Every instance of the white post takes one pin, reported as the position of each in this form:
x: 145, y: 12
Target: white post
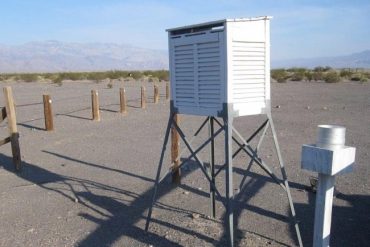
x: 329, y: 137
x: 324, y: 204
x: 328, y: 157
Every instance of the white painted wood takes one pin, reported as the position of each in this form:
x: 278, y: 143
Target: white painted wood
x: 328, y: 157
x: 221, y: 62
x: 327, y: 161
x: 218, y: 22
x: 323, y: 210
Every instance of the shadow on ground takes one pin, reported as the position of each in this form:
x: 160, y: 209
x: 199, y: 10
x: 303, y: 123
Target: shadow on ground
x: 350, y: 226
x: 122, y: 218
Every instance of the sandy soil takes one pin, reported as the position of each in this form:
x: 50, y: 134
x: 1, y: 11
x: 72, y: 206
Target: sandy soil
x: 90, y: 183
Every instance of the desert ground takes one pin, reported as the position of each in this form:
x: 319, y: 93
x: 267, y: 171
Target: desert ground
x: 90, y: 183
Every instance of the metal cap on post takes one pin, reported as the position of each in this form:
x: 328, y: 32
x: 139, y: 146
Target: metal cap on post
x: 331, y: 136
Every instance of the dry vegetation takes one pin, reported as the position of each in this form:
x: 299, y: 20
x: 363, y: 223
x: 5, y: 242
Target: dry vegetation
x: 326, y: 74
x: 150, y: 75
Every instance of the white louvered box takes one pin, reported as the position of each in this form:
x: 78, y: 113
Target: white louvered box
x: 225, y: 61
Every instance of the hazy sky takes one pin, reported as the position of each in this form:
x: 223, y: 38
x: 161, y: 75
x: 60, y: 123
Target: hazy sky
x: 300, y: 28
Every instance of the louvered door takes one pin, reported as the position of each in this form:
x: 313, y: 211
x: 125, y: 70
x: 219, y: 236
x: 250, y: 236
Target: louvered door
x: 196, y: 72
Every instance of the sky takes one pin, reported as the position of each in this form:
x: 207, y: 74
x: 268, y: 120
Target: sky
x: 299, y: 28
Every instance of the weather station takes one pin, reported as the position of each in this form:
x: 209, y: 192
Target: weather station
x: 220, y: 70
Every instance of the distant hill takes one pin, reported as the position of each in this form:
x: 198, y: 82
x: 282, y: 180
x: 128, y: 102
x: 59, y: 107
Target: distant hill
x: 355, y: 60
x: 54, y: 56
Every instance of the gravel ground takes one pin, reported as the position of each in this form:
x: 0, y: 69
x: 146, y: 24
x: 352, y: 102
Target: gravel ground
x: 90, y: 183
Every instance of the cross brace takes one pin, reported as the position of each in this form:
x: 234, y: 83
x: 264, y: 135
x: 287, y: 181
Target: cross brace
x: 209, y: 171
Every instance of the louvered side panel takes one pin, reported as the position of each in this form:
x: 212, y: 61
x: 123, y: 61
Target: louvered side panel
x: 249, y: 82
x: 209, y: 75
x: 184, y: 67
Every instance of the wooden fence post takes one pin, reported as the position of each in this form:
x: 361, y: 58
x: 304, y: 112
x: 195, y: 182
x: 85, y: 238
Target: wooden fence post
x: 143, y: 100
x: 95, y: 105
x: 175, y: 148
x: 156, y: 94
x: 167, y: 91
x: 12, y: 124
x: 122, y: 98
x: 48, y: 113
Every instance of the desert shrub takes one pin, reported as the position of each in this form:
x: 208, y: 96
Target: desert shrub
x: 57, y: 80
x: 28, y: 77
x: 297, y: 76
x: 345, y: 73
x: 136, y: 75
x: 48, y: 76
x: 280, y: 75
x: 96, y: 76
x: 327, y: 68
x: 367, y: 76
x: 318, y: 75
x: 332, y: 77
x: 15, y: 77
x: 115, y: 74
x: 322, y: 69
x: 163, y: 75
x: 148, y: 73
x: 309, y: 75
x: 63, y: 76
x: 318, y: 69
x: 356, y: 77
x: 153, y: 79
x: 359, y: 77
x: 160, y: 74
x: 75, y: 76
x: 3, y: 77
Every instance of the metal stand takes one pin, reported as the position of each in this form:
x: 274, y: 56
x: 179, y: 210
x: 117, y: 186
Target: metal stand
x: 210, y: 173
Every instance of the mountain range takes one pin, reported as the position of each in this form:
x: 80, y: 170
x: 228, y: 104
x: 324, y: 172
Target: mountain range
x: 355, y: 60
x: 56, y: 56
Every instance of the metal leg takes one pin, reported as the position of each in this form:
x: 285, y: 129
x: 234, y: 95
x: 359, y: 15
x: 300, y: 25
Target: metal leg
x: 250, y: 152
x: 182, y: 152
x: 243, y: 146
x: 252, y: 136
x: 192, y: 155
x: 199, y: 161
x: 256, y: 151
x: 228, y: 123
x: 210, y: 174
x: 282, y: 168
x: 212, y: 163
x: 192, y: 139
x: 170, y: 120
x: 207, y: 166
x: 263, y: 125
